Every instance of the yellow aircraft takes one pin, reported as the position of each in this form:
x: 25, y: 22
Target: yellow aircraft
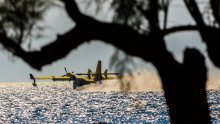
x: 79, y: 79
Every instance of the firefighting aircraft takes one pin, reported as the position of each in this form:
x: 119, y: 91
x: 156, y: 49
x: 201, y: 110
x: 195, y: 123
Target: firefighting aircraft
x: 80, y: 79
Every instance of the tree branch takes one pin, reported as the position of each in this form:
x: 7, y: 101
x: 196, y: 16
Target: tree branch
x: 73, y: 10
x: 209, y: 35
x: 11, y: 46
x: 195, y: 13
x: 215, y: 6
x: 48, y: 53
x: 122, y: 36
x: 179, y: 28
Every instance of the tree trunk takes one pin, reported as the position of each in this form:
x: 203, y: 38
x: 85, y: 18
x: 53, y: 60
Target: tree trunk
x: 184, y: 86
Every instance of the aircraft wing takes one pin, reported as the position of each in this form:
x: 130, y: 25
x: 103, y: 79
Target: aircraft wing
x: 111, y: 77
x: 52, y: 77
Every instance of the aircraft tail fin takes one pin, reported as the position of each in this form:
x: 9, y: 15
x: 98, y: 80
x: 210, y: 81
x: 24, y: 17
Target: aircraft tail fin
x: 98, y: 74
x: 32, y: 78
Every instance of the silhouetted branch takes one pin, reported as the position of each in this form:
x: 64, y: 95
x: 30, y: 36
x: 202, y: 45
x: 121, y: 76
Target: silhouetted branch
x: 11, y: 46
x: 190, y: 28
x: 209, y: 35
x: 73, y: 10
x: 114, y: 34
x: 48, y: 53
x: 215, y: 5
x: 165, y: 4
x: 195, y: 13
x: 179, y: 29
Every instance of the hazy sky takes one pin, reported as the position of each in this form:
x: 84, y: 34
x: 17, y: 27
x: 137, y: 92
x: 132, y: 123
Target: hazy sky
x: 86, y: 56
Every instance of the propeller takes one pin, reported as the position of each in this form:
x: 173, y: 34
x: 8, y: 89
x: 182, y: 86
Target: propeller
x: 65, y: 70
x: 89, y: 73
x: 106, y: 73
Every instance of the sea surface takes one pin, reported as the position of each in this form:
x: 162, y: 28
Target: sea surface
x: 63, y: 105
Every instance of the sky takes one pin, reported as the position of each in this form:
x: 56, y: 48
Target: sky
x: 13, y: 69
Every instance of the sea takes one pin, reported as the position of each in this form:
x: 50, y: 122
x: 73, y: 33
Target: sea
x: 65, y: 106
